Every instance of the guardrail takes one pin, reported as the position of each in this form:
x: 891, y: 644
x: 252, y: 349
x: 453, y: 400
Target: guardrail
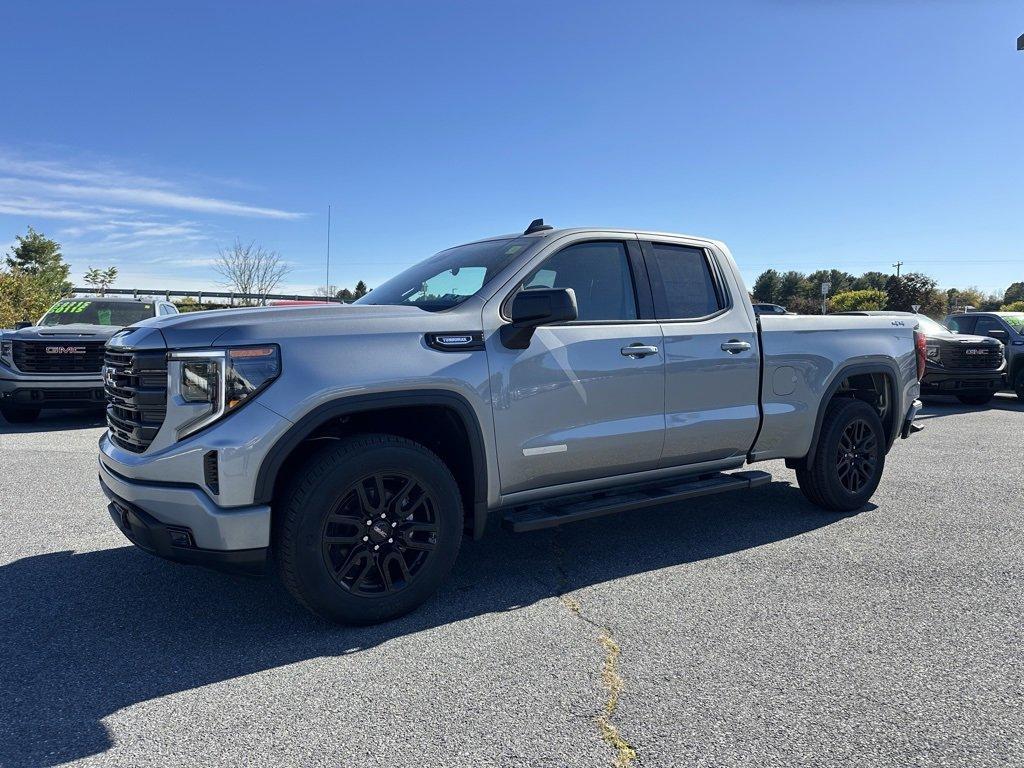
x: 232, y: 296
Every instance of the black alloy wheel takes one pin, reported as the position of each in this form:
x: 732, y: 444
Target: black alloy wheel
x: 856, y: 456
x: 381, y: 534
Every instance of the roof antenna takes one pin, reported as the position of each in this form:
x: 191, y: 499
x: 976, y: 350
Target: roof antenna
x: 537, y: 225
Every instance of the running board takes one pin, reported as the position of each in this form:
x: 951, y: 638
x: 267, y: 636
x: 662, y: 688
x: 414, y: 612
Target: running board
x: 571, y: 509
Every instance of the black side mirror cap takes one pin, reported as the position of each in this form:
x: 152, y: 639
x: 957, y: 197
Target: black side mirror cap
x: 998, y: 333
x: 534, y: 307
x: 22, y: 324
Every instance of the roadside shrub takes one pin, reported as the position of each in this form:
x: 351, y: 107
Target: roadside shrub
x: 857, y: 301
x: 1013, y: 306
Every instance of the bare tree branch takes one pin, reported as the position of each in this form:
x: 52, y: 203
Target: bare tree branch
x: 250, y: 268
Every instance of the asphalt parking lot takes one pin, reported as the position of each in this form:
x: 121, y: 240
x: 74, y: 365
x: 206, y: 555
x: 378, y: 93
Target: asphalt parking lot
x: 741, y: 630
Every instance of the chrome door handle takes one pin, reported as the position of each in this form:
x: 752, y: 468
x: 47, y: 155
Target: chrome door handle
x: 636, y: 351
x: 735, y: 346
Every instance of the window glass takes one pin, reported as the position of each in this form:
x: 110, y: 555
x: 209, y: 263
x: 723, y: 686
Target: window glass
x: 986, y: 324
x: 96, y: 312
x: 682, y: 282
x: 598, y: 273
x: 449, y: 277
x: 1016, y: 322
x: 960, y: 324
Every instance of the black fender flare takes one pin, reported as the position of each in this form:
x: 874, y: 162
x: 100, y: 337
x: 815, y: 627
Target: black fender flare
x: 266, y: 477
x: 885, y: 368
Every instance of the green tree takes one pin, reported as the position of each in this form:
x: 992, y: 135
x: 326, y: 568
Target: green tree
x: 1014, y: 293
x: 23, y: 297
x: 1013, y: 306
x: 768, y: 287
x: 101, y: 278
x: 853, y: 301
x: 914, y: 288
x: 37, y: 256
x: 869, y: 280
x: 360, y: 290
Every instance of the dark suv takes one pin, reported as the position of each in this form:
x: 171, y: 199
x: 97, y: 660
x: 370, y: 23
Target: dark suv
x: 1007, y: 327
x: 969, y: 367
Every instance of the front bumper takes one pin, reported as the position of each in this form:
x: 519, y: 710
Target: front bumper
x: 942, y: 382
x: 179, y: 522
x: 38, y: 392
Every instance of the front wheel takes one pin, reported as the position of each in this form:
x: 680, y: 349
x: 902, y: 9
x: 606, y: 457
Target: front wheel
x: 369, y: 529
x: 849, y: 459
x: 16, y: 415
x: 975, y: 399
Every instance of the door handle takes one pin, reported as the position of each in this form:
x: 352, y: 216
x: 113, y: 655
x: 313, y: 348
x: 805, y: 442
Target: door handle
x: 735, y: 346
x: 638, y: 350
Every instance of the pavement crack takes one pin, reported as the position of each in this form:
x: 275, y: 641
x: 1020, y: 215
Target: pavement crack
x: 612, y: 681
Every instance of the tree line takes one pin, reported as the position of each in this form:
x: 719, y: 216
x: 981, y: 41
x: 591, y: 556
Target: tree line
x: 801, y: 293
x: 35, y: 277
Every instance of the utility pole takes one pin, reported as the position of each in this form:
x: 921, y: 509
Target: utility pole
x: 898, y: 264
x: 327, y: 284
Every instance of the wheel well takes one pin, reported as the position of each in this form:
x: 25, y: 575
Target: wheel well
x: 437, y: 427
x: 876, y: 388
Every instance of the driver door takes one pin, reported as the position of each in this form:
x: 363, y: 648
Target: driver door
x: 577, y: 404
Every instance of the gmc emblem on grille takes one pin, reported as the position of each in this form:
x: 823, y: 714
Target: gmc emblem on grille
x: 65, y: 350
x: 974, y: 351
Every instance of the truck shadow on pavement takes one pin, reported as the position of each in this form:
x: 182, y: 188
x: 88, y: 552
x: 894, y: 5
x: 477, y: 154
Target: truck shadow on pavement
x: 57, y: 421
x: 87, y: 634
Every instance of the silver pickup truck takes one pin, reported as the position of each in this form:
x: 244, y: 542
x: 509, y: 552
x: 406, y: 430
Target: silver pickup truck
x: 532, y: 380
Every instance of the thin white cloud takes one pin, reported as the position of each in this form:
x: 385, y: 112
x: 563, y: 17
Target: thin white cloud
x: 154, y: 229
x: 144, y: 197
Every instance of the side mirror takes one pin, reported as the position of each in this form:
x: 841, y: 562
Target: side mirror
x: 999, y: 333
x: 22, y: 324
x: 534, y: 307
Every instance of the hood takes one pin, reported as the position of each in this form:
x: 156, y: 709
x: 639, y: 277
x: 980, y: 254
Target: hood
x: 81, y: 331
x: 266, y: 324
x: 963, y: 338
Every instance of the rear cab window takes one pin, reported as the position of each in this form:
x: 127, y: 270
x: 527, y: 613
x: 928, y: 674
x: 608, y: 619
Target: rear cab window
x: 684, y: 283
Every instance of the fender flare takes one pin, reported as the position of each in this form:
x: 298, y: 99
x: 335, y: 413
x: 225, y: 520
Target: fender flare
x: 266, y: 477
x: 886, y: 368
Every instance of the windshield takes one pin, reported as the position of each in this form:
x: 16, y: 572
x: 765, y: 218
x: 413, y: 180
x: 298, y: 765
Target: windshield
x: 931, y: 327
x: 115, y: 313
x: 450, y: 277
x: 1016, y: 322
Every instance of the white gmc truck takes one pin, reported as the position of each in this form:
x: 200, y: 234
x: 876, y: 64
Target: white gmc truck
x: 533, y: 380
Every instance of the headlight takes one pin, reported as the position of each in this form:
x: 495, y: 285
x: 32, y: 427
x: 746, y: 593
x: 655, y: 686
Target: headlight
x: 933, y: 354
x: 7, y: 352
x: 217, y: 381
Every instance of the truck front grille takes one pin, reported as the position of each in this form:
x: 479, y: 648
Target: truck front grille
x: 136, y: 387
x: 973, y: 357
x: 58, y: 356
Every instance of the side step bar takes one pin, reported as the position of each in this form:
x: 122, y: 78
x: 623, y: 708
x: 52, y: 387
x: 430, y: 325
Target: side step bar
x: 571, y: 509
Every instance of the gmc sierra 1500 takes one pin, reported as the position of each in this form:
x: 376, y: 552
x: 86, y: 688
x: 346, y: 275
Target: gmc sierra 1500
x: 535, y: 379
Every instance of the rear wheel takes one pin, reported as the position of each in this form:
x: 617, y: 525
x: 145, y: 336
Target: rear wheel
x: 975, y: 399
x: 15, y: 415
x: 369, y: 529
x: 849, y: 459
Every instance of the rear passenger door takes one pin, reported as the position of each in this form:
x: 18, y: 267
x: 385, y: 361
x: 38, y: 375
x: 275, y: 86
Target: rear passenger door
x: 712, y: 360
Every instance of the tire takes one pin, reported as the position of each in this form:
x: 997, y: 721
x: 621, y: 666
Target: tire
x: 1018, y: 386
x: 976, y: 399
x: 349, y: 572
x: 835, y: 479
x: 16, y: 415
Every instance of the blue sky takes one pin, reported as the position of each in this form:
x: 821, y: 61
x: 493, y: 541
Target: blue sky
x: 806, y: 134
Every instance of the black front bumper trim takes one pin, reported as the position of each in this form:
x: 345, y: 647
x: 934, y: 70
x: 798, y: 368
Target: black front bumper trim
x: 150, y: 535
